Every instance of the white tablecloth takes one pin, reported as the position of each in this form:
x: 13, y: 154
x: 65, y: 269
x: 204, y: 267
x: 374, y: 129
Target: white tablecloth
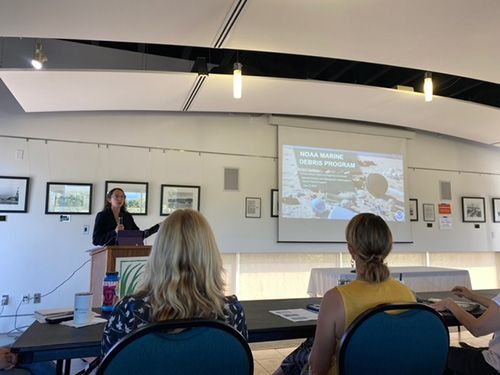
x: 419, y: 279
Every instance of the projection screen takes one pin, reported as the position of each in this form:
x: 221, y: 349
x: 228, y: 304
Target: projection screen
x: 327, y: 177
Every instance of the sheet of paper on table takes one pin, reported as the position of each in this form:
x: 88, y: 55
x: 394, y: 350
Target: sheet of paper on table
x: 95, y: 319
x: 296, y: 315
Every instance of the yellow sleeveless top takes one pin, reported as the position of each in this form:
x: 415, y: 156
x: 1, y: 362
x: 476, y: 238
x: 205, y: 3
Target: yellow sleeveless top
x: 360, y: 296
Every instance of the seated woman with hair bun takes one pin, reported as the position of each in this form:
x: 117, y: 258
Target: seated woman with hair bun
x: 369, y: 241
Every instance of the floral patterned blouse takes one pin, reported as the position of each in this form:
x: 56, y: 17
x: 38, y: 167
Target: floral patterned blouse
x: 132, y: 312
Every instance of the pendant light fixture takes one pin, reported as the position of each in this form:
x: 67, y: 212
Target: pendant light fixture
x: 237, y: 80
x: 40, y: 58
x: 428, y: 87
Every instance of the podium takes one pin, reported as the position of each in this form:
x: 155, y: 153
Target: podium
x: 106, y: 259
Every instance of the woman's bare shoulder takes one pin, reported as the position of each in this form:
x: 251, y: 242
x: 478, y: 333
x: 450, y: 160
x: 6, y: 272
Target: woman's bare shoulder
x: 332, y: 300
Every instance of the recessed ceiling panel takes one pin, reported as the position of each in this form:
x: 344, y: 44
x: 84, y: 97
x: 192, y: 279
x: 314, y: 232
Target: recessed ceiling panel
x: 458, y: 37
x: 186, y: 22
x: 364, y: 103
x: 42, y: 91
x: 46, y: 91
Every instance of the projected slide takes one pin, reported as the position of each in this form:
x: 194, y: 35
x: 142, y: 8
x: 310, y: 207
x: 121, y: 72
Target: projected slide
x: 333, y: 184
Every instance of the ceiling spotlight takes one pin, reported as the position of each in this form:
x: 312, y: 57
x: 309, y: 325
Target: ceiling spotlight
x: 237, y: 80
x: 428, y: 87
x: 39, y: 58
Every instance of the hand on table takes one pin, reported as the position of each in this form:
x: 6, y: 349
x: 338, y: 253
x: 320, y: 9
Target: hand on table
x: 7, y: 359
x: 442, y: 305
x: 462, y: 291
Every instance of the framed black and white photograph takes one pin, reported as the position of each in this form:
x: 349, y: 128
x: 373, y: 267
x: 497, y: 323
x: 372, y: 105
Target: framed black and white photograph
x: 274, y: 203
x: 68, y: 198
x: 413, y: 210
x: 473, y: 210
x: 136, y: 195
x: 252, y: 207
x: 14, y: 194
x: 179, y: 196
x: 429, y: 212
x: 495, y: 204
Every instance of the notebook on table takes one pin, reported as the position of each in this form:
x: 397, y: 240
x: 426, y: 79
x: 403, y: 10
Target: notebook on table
x: 130, y: 238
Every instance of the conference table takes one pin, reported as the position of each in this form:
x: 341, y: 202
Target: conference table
x: 418, y: 279
x: 48, y: 342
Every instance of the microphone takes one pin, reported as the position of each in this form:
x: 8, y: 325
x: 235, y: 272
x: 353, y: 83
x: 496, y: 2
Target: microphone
x: 120, y: 220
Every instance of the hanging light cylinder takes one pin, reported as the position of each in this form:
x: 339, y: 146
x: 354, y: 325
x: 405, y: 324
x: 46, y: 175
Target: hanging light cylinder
x: 237, y: 80
x: 428, y: 89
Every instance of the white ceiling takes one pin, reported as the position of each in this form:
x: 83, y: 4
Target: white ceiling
x: 458, y: 37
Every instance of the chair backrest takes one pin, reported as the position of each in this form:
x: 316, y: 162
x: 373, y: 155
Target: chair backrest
x: 411, y: 339
x: 201, y: 347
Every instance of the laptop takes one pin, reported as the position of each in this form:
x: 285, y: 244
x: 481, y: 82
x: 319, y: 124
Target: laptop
x: 130, y: 238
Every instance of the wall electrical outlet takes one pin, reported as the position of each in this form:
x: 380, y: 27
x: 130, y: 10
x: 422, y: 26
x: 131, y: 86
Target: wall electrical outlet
x: 5, y: 300
x: 26, y: 298
x: 37, y: 297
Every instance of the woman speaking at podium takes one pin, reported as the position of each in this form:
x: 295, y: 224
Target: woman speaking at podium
x: 112, y: 219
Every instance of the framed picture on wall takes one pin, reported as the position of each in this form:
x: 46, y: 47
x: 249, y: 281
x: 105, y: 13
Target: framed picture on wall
x: 473, y: 210
x: 136, y: 193
x: 68, y: 198
x: 413, y: 210
x: 252, y: 207
x: 14, y: 194
x: 179, y: 196
x: 274, y: 203
x: 429, y: 212
x: 496, y: 209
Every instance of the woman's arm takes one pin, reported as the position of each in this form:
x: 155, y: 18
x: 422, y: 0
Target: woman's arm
x: 129, y: 222
x: 235, y: 316
x: 487, y: 323
x: 462, y: 291
x: 7, y: 359
x: 150, y: 231
x: 114, y: 330
x: 123, y: 320
x: 102, y: 235
x: 330, y: 327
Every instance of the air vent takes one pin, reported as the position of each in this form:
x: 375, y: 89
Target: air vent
x: 445, y: 190
x: 231, y: 179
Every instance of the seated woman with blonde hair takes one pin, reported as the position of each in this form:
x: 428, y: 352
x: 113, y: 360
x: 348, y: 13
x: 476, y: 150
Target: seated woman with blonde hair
x: 369, y: 241
x: 182, y: 280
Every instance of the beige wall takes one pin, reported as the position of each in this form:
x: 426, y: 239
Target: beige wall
x: 73, y: 147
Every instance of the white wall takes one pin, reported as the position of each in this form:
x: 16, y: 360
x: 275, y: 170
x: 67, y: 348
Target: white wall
x: 38, y: 252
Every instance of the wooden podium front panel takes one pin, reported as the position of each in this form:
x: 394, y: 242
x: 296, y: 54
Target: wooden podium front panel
x: 104, y: 260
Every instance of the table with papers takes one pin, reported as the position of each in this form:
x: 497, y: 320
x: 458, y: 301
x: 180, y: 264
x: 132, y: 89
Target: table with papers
x: 45, y: 342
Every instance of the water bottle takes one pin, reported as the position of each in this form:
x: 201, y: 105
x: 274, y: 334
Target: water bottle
x: 110, y: 291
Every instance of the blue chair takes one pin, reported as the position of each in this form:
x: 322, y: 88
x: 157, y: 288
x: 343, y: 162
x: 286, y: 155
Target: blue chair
x: 201, y: 347
x: 411, y: 339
